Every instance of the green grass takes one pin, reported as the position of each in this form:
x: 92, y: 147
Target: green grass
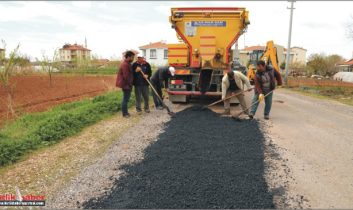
x: 91, y: 70
x: 340, y: 94
x: 33, y: 131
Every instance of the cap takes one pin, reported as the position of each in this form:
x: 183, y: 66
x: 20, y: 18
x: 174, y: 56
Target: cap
x: 172, y: 70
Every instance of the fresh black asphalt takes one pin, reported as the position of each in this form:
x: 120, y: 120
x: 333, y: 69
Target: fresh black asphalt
x: 201, y: 161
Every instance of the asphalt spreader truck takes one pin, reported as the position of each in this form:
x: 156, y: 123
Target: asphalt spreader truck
x: 202, y: 57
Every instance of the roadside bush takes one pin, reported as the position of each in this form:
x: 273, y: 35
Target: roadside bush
x: 42, y: 129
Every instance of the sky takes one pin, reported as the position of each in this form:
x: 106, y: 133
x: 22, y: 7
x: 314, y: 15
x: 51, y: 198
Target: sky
x: 112, y: 27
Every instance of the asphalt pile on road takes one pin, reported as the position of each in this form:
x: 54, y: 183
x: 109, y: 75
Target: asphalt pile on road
x: 202, y: 160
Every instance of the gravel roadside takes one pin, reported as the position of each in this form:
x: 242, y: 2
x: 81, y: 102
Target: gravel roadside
x: 97, y: 179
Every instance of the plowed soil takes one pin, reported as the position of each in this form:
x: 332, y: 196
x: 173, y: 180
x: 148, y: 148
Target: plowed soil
x: 34, y: 93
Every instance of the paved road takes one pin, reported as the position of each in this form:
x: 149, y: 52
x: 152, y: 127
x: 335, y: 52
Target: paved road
x: 318, y: 138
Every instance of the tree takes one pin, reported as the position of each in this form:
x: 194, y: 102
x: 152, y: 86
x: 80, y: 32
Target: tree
x: 316, y: 64
x: 6, y: 72
x: 323, y: 65
x: 48, y: 65
x: 331, y: 62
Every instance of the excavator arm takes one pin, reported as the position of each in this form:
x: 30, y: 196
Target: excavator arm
x: 270, y: 56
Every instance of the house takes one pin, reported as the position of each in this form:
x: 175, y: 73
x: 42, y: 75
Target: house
x: 2, y: 54
x: 346, y: 66
x: 74, y: 53
x: 155, y: 53
x: 297, y: 55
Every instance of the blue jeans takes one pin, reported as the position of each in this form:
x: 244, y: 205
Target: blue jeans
x: 124, y: 103
x: 268, y: 104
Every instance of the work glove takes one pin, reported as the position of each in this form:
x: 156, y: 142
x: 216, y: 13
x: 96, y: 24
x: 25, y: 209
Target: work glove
x: 138, y: 69
x: 261, y: 97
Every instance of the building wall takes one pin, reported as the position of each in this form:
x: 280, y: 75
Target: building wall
x: 299, y: 55
x: 244, y: 58
x: 159, y: 60
x: 65, y: 55
x: 69, y: 55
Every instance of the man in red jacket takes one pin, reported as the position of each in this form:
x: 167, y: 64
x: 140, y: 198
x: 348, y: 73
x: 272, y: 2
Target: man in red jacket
x: 124, y: 80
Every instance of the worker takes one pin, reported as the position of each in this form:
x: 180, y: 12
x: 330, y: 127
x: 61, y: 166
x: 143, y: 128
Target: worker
x: 140, y: 84
x: 159, y: 80
x: 124, y: 80
x: 232, y: 83
x: 265, y: 82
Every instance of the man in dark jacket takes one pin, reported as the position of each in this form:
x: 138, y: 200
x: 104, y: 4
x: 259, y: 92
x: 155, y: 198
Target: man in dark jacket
x: 124, y: 80
x: 159, y: 80
x: 140, y: 83
x: 265, y: 82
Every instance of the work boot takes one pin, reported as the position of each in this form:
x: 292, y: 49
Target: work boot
x: 226, y: 112
x: 267, y: 117
x: 251, y: 116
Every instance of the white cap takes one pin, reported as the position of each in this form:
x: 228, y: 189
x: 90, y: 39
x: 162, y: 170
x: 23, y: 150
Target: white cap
x: 172, y: 70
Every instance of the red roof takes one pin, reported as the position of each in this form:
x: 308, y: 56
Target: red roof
x: 154, y: 45
x: 74, y: 47
x: 252, y: 48
x: 349, y: 62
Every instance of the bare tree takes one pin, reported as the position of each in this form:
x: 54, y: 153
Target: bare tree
x: 6, y: 72
x: 49, y: 64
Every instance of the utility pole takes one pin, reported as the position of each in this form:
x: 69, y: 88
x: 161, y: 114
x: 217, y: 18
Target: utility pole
x: 289, y: 39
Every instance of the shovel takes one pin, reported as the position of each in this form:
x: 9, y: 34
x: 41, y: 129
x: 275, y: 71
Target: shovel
x: 154, y: 90
x: 231, y: 96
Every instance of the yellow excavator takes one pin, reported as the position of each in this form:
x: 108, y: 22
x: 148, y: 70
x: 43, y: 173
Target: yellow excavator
x: 269, y: 56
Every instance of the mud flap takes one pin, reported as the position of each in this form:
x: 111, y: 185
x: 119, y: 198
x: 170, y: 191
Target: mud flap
x: 205, y: 80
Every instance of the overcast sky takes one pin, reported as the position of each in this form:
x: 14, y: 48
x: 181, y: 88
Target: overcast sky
x: 112, y: 27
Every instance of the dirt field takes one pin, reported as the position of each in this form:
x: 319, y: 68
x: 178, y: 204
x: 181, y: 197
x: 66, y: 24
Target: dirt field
x: 297, y: 82
x: 34, y: 93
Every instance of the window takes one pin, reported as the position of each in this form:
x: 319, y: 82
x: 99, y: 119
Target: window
x: 153, y: 53
x: 165, y: 54
x: 144, y: 53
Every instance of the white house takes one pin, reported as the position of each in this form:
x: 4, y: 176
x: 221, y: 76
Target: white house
x: 155, y: 53
x: 297, y: 55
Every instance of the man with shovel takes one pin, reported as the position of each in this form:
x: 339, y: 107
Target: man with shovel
x: 232, y: 83
x: 265, y: 83
x: 141, y: 83
x: 159, y: 80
